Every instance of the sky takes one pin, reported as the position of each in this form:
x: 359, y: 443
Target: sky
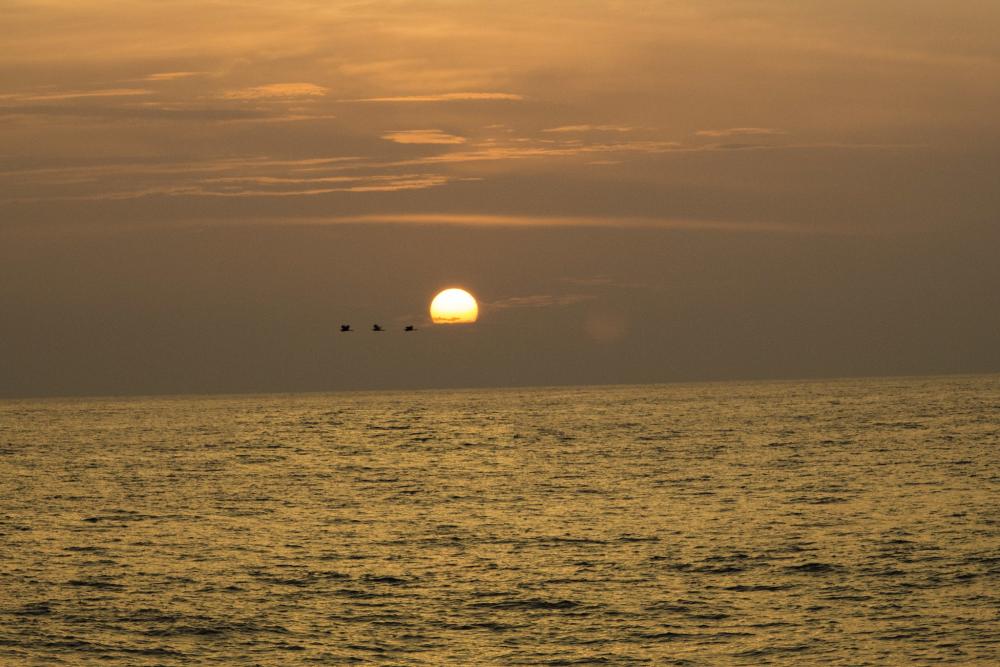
x: 195, y: 195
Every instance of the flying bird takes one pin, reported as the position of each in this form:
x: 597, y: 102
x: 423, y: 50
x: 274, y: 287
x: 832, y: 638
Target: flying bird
x: 409, y: 327
x: 345, y: 328
x: 376, y: 327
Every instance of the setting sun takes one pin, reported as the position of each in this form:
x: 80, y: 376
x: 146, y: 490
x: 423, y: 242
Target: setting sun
x: 454, y: 306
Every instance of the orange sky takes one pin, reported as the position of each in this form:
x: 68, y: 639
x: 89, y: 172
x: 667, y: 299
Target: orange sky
x: 733, y: 189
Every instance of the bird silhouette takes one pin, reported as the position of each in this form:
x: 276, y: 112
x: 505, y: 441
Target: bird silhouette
x: 345, y: 328
x: 409, y: 327
x: 376, y: 327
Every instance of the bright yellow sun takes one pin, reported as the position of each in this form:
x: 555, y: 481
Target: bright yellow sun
x: 454, y: 306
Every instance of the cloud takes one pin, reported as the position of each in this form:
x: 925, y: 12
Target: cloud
x: 423, y: 137
x: 273, y: 91
x: 525, y: 149
x: 250, y: 187
x: 588, y: 128
x: 741, y: 132
x: 445, y: 97
x: 280, y: 180
x: 217, y: 188
x: 600, y: 152
x: 171, y: 76
x: 161, y: 112
x: 540, y: 301
x: 603, y: 281
x: 739, y: 146
x: 361, y: 184
x: 77, y: 94
x: 116, y: 170
x: 200, y: 114
x: 501, y: 220
x: 259, y: 176
x: 241, y: 177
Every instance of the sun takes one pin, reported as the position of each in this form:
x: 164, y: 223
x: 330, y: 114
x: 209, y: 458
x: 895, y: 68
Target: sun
x: 454, y: 306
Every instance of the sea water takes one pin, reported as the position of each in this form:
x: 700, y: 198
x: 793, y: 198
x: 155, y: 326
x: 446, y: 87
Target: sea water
x: 847, y: 522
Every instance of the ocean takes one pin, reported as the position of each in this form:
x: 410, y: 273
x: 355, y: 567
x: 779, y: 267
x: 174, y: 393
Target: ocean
x: 849, y: 522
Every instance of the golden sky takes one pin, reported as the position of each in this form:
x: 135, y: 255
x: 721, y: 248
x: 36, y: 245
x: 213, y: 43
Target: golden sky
x: 662, y: 189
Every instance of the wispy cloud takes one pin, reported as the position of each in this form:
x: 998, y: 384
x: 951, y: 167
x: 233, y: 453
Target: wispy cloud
x: 423, y: 137
x: 77, y: 94
x: 539, y: 301
x: 219, y: 113
x: 277, y: 91
x: 279, y: 180
x: 171, y: 76
x: 267, y: 177
x: 444, y: 97
x: 500, y: 220
x: 243, y: 177
x: 599, y: 153
x: 741, y: 132
x: 375, y: 185
x: 603, y: 282
x: 141, y: 112
x: 575, y: 129
x: 197, y: 169
x: 370, y: 184
x: 251, y: 187
x: 526, y: 149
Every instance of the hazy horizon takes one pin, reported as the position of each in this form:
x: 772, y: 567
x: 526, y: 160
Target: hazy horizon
x: 511, y: 387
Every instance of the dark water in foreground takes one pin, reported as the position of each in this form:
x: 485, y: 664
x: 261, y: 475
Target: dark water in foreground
x: 850, y: 522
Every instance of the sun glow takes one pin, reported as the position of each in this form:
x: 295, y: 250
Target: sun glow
x: 454, y: 306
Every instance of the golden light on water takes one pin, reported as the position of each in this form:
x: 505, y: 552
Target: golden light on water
x: 454, y: 306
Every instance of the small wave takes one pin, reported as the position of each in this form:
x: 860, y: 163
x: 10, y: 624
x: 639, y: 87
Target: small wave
x: 892, y: 572
x: 530, y: 604
x: 812, y: 568
x: 34, y: 609
x: 355, y: 593
x: 384, y: 579
x: 215, y: 628
x: 96, y: 583
x: 151, y: 651
x: 751, y: 588
x: 572, y: 540
x: 667, y: 635
x: 819, y: 500
x: 492, y: 626
x: 773, y: 650
x: 368, y: 648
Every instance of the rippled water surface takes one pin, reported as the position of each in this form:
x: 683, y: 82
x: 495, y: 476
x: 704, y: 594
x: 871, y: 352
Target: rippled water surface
x: 850, y: 522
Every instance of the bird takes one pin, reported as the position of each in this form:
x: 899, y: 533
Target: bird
x: 409, y: 327
x: 345, y: 328
x: 376, y: 327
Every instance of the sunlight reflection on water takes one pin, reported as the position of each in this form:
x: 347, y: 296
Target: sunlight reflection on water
x: 844, y: 522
